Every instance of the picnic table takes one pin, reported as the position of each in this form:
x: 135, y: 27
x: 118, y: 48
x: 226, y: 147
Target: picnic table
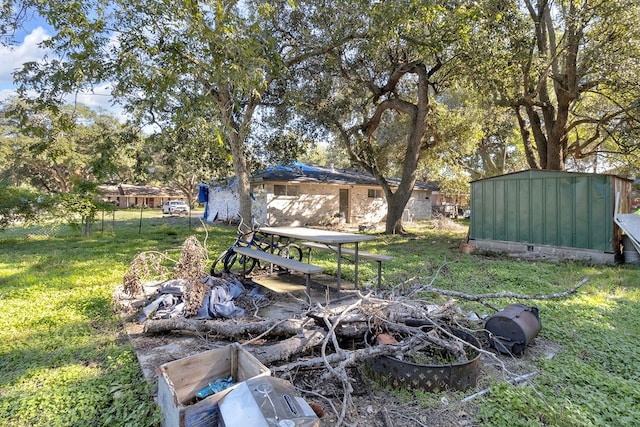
x: 327, y: 237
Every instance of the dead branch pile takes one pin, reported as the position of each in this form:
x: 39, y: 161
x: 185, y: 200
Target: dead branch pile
x: 333, y: 337
x: 190, y: 266
x: 144, y: 266
x: 339, y: 337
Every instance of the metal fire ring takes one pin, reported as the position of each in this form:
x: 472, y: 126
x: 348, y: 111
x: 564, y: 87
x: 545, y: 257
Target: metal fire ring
x: 453, y: 376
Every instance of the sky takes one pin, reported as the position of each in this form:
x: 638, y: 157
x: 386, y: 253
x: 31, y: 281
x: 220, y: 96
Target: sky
x: 26, y: 49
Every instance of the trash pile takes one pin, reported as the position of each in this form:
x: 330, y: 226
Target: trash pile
x: 218, y: 301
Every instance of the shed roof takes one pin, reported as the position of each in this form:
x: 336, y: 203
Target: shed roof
x: 539, y: 173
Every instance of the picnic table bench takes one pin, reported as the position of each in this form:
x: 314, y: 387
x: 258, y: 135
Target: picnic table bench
x: 290, y: 264
x: 327, y: 237
x: 379, y: 258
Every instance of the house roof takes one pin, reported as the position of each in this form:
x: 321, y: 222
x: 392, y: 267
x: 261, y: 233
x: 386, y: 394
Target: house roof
x: 137, y: 190
x: 299, y: 172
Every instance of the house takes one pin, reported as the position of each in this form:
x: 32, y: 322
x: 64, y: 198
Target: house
x: 129, y: 196
x: 312, y: 195
x: 565, y: 215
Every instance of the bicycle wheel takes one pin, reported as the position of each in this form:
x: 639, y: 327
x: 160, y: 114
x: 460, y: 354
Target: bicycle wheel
x: 290, y: 251
x: 230, y: 265
x: 218, y: 265
x: 293, y: 251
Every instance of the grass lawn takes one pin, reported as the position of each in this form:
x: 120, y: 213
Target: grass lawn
x: 64, y: 360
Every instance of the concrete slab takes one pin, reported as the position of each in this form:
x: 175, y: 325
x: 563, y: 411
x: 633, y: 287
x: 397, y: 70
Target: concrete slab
x: 295, y: 283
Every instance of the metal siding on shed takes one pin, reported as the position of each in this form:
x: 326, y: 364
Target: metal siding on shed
x: 512, y: 221
x: 524, y: 211
x: 499, y: 214
x: 582, y: 223
x: 536, y: 203
x: 542, y: 207
x: 601, y: 213
x: 549, y: 218
x: 566, y: 212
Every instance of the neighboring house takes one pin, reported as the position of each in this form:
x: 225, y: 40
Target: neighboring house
x: 312, y: 195
x: 128, y: 196
x: 550, y: 213
x: 449, y: 206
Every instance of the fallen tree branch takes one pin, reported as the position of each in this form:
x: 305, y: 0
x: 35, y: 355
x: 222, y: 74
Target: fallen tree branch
x: 480, y: 297
x: 225, y: 328
x: 517, y: 380
x: 455, y: 346
x: 285, y: 349
x: 353, y: 356
x: 339, y: 372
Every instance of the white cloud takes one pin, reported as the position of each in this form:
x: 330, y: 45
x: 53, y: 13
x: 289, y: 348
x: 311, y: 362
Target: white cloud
x: 14, y: 56
x: 98, y: 98
x: 6, y: 93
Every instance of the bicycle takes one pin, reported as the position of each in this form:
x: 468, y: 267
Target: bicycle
x: 279, y: 245
x: 222, y: 263
x: 251, y: 237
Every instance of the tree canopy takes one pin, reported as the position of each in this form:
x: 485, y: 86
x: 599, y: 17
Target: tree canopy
x: 377, y: 91
x: 413, y: 88
x: 52, y: 150
x: 217, y: 60
x: 567, y: 69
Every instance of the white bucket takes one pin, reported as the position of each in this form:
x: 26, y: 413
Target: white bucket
x: 630, y: 252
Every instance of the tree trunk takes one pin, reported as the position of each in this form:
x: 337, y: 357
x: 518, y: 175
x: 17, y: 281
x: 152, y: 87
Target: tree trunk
x: 398, y: 201
x: 237, y: 138
x: 224, y: 328
x: 395, y: 208
x: 284, y: 350
x: 243, y: 175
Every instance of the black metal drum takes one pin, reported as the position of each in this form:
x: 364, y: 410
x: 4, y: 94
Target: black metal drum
x: 511, y: 329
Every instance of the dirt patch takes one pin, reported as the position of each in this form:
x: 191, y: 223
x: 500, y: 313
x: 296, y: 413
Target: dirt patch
x: 371, y: 405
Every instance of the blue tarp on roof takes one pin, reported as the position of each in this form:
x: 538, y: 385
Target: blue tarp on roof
x: 301, y: 172
x: 304, y: 173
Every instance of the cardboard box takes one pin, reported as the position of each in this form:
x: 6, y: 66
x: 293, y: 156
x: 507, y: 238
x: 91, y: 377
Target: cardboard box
x: 180, y: 380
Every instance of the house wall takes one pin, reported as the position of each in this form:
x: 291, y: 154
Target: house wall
x: 319, y: 204
x: 315, y: 204
x: 137, y: 201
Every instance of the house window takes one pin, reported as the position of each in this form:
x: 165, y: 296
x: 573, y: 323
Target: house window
x: 374, y: 194
x: 286, y: 190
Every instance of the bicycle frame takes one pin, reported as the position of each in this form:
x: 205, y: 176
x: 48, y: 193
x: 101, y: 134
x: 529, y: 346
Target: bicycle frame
x: 258, y: 241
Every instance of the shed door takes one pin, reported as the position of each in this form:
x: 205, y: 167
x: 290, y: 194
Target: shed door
x: 344, y: 204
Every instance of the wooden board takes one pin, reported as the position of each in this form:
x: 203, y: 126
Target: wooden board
x: 178, y: 382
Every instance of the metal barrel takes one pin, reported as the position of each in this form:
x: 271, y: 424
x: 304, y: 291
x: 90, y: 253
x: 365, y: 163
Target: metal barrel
x: 513, y: 328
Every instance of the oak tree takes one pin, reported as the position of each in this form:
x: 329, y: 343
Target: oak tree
x: 376, y: 92
x: 568, y: 70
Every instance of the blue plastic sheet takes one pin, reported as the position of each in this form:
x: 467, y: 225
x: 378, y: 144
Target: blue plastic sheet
x: 215, y: 387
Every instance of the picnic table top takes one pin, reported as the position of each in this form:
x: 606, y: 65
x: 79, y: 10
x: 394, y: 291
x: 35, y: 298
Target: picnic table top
x: 317, y: 235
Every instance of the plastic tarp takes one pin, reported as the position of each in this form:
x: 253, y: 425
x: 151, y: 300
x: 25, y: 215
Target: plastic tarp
x: 629, y: 223
x: 218, y: 301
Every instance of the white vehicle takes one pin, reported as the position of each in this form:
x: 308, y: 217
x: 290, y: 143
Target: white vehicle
x: 175, y: 207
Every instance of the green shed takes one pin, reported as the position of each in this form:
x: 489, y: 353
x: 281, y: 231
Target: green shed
x: 549, y: 213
